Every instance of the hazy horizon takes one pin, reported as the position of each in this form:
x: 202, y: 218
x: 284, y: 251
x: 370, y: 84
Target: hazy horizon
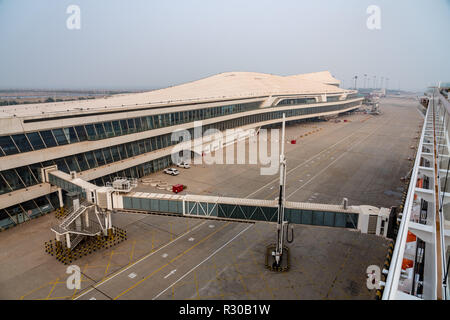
x: 139, y: 45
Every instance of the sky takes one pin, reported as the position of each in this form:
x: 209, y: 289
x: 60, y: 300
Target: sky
x: 143, y: 44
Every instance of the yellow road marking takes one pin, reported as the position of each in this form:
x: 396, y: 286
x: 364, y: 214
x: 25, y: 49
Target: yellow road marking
x: 109, y: 262
x: 177, y: 257
x: 53, y: 288
x: 136, y: 262
x: 30, y: 292
x: 132, y: 251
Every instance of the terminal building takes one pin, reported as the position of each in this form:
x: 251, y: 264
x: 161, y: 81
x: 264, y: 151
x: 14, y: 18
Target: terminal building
x: 129, y: 135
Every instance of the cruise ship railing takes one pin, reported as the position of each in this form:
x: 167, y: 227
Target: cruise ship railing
x: 392, y: 281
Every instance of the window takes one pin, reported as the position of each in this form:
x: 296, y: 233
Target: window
x: 91, y: 131
x: 62, y: 165
x: 71, y: 135
x: 135, y: 148
x: 116, y: 126
x: 71, y: 162
x: 100, y: 130
x: 115, y: 153
x: 129, y: 150
x: 8, y: 145
x: 60, y: 136
x: 4, y: 188
x: 90, y: 159
x: 26, y: 176
x: 81, y: 133
x: 13, y: 179
x: 36, y: 170
x: 43, y: 204
x: 131, y: 126
x: 99, y: 157
x: 138, y: 124
x: 108, y: 129
x: 107, y: 154
x: 124, y: 126
x: 82, y: 162
x: 122, y: 151
x: 35, y: 140
x: 22, y: 142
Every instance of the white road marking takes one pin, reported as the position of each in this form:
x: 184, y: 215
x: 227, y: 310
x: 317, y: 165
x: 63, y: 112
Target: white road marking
x: 191, y: 239
x: 164, y: 255
x: 140, y: 260
x: 211, y: 226
x: 93, y: 298
x: 170, y: 273
x: 305, y: 162
x: 132, y: 275
x: 343, y: 154
x: 181, y: 278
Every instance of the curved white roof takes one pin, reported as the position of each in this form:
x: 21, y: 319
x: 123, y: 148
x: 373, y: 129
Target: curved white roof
x: 223, y: 86
x: 322, y: 76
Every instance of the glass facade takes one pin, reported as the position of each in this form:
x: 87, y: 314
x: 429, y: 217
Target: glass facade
x: 27, y: 210
x: 97, y: 131
x: 296, y: 101
x: 26, y: 176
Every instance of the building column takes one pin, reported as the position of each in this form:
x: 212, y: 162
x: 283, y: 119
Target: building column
x: 86, y: 218
x: 60, y: 197
x: 68, y: 240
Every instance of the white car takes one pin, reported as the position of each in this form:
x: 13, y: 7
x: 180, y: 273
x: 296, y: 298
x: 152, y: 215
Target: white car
x: 183, y: 165
x: 172, y: 171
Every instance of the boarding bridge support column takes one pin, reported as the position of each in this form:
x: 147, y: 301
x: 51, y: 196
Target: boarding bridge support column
x: 68, y: 240
x: 60, y: 198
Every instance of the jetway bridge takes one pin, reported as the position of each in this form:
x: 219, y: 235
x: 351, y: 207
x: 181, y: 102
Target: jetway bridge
x: 118, y: 197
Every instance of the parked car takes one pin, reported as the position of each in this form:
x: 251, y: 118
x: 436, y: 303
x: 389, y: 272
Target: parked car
x: 183, y: 165
x: 172, y: 171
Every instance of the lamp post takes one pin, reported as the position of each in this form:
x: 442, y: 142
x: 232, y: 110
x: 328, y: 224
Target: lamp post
x: 356, y: 78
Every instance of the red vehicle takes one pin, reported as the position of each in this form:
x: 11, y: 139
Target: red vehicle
x: 177, y: 188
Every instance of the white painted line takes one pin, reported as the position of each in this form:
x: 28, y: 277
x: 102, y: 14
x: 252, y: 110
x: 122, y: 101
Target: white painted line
x: 159, y: 294
x: 305, y: 162
x: 93, y: 298
x: 191, y: 239
x: 164, y: 255
x: 140, y: 260
x: 343, y: 154
x: 211, y: 226
x: 132, y: 275
x: 170, y: 273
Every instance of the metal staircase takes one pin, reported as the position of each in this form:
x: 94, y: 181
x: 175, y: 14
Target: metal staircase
x: 71, y: 216
x: 85, y: 227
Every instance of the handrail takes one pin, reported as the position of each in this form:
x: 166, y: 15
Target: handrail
x: 391, y: 287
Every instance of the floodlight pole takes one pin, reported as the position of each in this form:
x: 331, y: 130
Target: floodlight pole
x: 281, y: 199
